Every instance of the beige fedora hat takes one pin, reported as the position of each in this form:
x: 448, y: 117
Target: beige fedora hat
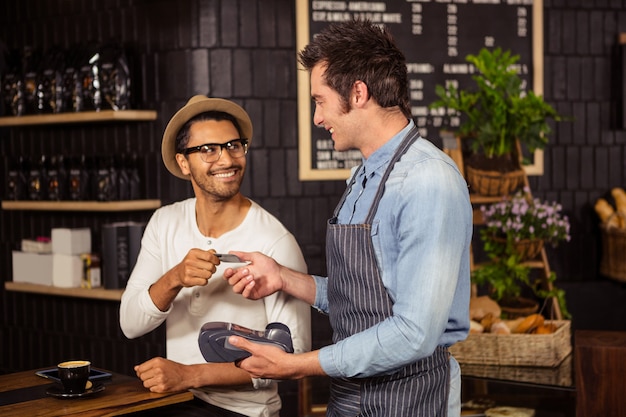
x: 196, y: 105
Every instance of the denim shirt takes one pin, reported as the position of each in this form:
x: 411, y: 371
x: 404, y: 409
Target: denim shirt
x: 421, y: 235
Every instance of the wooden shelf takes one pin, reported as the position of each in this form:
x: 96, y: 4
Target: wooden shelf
x: 80, y: 117
x: 130, y: 205
x: 95, y: 293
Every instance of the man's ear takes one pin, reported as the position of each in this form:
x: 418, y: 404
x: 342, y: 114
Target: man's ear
x: 360, y: 93
x: 183, y: 163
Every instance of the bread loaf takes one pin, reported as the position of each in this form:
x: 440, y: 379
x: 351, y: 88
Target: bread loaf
x: 480, y: 307
x: 529, y: 324
x: 513, y: 323
x: 546, y: 328
x: 500, y: 327
x: 476, y: 327
x: 606, y: 213
x: 488, y: 321
x: 619, y: 195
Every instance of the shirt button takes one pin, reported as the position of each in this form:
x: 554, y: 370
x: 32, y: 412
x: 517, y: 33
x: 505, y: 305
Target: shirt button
x: 196, y: 294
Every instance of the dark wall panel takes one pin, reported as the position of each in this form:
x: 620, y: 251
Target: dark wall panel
x: 245, y: 50
x: 241, y: 50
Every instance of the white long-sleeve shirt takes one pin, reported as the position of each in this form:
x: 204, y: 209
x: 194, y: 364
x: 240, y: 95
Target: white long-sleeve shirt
x: 171, y: 232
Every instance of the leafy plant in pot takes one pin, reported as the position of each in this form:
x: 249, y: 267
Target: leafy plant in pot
x: 507, y: 276
x: 498, y: 117
x: 514, y: 220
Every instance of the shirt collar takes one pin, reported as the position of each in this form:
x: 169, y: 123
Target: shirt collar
x: 381, y: 157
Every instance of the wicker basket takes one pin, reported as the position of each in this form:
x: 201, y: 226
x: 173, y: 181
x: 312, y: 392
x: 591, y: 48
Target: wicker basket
x: 526, y: 249
x: 613, y: 263
x: 493, y: 183
x: 560, y: 375
x: 516, y: 349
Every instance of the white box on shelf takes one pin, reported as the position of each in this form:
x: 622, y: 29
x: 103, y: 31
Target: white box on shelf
x: 67, y: 270
x: 33, y: 268
x: 71, y: 241
x: 39, y: 245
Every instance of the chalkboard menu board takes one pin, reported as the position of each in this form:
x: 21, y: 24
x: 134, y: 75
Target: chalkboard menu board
x: 435, y: 36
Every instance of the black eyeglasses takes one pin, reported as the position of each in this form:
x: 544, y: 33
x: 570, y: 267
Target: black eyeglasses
x: 211, y: 152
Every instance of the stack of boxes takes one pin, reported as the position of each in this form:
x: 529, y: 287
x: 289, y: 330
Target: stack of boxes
x: 33, y: 264
x: 67, y: 247
x: 60, y: 262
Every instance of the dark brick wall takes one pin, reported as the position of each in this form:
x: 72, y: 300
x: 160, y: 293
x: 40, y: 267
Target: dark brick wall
x: 586, y: 157
x: 241, y: 50
x: 245, y: 50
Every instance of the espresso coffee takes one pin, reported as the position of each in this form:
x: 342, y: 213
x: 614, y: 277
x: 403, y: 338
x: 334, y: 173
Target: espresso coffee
x: 74, y: 375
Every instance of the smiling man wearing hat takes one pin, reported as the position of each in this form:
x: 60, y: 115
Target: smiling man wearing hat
x: 178, y: 279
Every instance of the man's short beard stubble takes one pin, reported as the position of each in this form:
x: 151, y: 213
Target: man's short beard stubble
x: 220, y: 192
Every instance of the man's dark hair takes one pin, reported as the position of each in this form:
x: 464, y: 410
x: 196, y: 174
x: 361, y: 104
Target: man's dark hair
x: 360, y: 50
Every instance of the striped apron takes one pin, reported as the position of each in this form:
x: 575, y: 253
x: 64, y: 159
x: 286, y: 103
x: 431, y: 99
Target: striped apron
x: 358, y: 301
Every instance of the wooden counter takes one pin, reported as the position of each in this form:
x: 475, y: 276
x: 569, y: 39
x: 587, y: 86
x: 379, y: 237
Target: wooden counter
x: 24, y: 394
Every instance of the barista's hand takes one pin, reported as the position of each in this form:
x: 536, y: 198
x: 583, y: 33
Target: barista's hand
x: 260, y: 278
x: 266, y: 361
x: 271, y: 362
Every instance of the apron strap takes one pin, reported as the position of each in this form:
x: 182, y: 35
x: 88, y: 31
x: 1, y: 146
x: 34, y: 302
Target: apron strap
x: 411, y: 137
x: 333, y: 220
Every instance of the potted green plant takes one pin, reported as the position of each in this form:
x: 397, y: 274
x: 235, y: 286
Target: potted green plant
x: 506, y: 277
x: 509, y: 226
x: 498, y: 116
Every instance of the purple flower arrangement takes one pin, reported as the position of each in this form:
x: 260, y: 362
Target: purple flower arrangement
x: 520, y: 217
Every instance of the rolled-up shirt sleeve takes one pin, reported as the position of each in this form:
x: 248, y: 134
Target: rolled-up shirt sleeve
x: 321, y: 299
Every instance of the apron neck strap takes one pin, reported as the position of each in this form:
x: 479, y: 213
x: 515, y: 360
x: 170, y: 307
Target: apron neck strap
x: 408, y: 140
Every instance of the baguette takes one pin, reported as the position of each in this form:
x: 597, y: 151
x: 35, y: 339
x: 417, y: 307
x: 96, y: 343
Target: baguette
x: 606, y: 213
x: 620, y: 201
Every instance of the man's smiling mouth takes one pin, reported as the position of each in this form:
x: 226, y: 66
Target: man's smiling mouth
x: 225, y: 174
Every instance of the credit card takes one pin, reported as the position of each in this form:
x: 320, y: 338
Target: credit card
x: 227, y: 257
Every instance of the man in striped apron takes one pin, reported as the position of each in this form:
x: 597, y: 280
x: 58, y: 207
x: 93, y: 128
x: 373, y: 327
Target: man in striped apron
x: 397, y: 291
